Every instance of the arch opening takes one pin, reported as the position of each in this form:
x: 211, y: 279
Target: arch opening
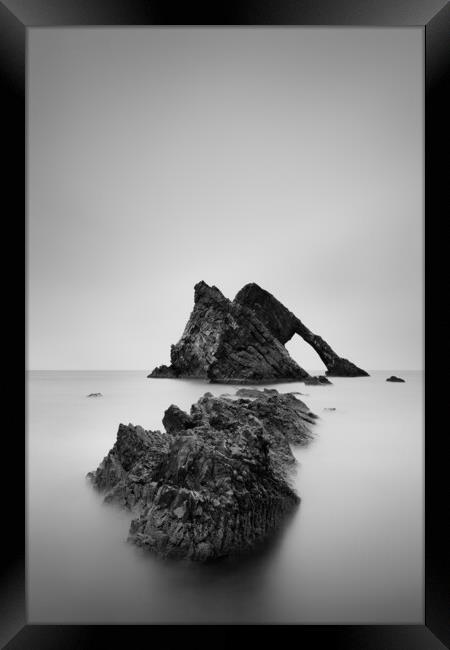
x: 306, y: 357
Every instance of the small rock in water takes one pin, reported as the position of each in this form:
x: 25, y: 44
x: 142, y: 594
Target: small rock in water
x: 329, y: 408
x: 395, y: 379
x: 94, y: 395
x: 317, y: 381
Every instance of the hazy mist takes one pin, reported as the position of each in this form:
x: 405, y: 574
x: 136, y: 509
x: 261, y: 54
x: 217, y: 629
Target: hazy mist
x: 290, y: 157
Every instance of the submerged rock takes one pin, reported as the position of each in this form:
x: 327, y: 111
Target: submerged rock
x: 216, y: 482
x: 242, y: 341
x: 395, y: 379
x: 94, y: 395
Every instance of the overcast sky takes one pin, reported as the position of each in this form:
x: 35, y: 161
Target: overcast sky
x: 290, y: 157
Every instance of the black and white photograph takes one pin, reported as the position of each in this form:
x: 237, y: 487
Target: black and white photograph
x: 233, y: 226
x: 225, y: 325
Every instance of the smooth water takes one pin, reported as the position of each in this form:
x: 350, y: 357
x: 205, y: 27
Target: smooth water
x: 351, y: 553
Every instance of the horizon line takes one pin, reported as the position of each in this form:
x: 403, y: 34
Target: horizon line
x: 396, y: 368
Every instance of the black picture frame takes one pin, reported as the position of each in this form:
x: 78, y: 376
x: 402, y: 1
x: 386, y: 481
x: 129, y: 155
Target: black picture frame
x: 16, y: 16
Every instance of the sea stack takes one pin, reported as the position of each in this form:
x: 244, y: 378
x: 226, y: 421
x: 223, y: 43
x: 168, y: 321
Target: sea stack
x: 242, y: 341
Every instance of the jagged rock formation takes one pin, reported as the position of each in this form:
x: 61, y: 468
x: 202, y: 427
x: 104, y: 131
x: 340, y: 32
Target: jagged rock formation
x: 124, y: 473
x: 283, y: 325
x: 226, y: 342
x: 242, y: 342
x: 216, y: 482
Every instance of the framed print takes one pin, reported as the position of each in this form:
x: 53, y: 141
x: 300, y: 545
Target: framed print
x: 281, y: 166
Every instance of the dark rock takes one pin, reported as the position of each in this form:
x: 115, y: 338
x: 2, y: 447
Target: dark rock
x: 163, y: 372
x: 175, y: 420
x: 329, y: 408
x: 94, y: 395
x: 395, y: 379
x: 217, y: 482
x: 339, y: 367
x: 254, y: 392
x: 283, y: 324
x: 317, y: 381
x: 124, y: 473
x: 242, y: 342
x: 225, y: 342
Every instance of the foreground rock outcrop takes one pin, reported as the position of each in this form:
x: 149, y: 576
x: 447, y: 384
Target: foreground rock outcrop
x: 216, y: 482
x: 242, y: 341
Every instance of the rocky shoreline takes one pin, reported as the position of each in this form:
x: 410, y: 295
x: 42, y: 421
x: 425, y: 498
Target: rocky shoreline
x: 217, y: 481
x: 242, y: 341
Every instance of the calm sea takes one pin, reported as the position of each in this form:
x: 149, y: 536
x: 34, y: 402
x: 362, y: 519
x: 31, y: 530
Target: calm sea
x: 351, y: 553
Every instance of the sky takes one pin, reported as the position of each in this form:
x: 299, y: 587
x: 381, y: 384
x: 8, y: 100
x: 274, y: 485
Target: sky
x: 159, y: 157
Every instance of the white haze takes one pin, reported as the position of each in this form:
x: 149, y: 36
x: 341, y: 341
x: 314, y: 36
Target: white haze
x: 290, y: 157
x: 351, y: 553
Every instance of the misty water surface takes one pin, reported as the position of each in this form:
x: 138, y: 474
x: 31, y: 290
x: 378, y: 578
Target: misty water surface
x: 351, y: 553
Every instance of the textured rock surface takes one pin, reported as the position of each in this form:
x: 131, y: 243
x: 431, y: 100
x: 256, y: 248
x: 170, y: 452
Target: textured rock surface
x: 395, y: 379
x: 216, y: 482
x: 124, y: 473
x: 164, y: 372
x: 227, y: 343
x: 283, y: 324
x: 242, y: 342
x: 317, y: 381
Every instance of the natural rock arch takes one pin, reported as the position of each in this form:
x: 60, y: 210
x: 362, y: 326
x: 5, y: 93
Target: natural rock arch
x: 242, y: 341
x: 283, y: 324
